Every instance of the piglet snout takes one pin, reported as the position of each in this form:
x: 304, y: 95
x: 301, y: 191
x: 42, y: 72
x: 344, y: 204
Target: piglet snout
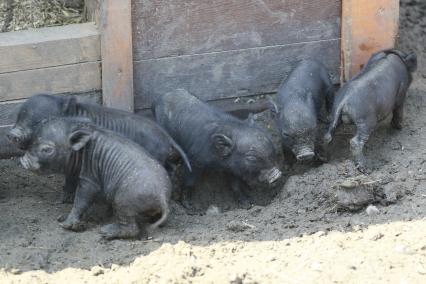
x: 305, y: 154
x: 28, y: 163
x: 272, y: 175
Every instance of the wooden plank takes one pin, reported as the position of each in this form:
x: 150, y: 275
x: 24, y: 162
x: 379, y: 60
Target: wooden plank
x: 164, y: 28
x: 73, y: 78
x: 117, y: 54
x: 47, y: 47
x: 92, y: 11
x: 367, y: 26
x: 229, y: 74
x: 8, y: 112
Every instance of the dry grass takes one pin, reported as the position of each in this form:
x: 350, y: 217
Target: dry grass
x: 26, y: 14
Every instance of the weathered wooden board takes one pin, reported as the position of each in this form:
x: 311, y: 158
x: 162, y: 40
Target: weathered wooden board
x: 8, y: 112
x: 229, y: 74
x: 117, y: 54
x: 47, y: 47
x: 75, y: 78
x: 164, y: 28
x: 367, y: 26
x: 92, y: 10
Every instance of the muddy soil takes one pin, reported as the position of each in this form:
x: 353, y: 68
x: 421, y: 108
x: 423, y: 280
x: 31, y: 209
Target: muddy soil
x: 294, y: 235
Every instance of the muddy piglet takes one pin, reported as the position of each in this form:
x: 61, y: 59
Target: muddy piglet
x: 302, y: 99
x: 214, y: 140
x: 372, y: 95
x: 110, y: 167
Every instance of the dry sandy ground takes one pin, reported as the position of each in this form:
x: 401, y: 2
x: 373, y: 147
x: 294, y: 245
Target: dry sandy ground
x: 300, y: 237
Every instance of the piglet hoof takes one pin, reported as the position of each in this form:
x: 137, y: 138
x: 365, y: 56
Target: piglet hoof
x: 120, y: 231
x: 67, y: 197
x: 362, y: 168
x: 322, y: 157
x: 62, y: 218
x: 72, y: 225
x: 186, y: 204
x: 396, y: 124
x: 244, y: 203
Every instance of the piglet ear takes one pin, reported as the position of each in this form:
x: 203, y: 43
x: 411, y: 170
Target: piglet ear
x: 79, y: 138
x: 411, y: 62
x: 69, y: 105
x: 223, y: 145
x: 250, y: 119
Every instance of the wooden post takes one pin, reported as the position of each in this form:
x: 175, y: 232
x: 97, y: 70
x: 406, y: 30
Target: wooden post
x: 367, y: 26
x: 117, y: 56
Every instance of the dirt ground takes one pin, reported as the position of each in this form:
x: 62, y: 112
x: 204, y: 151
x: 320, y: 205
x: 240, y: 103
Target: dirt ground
x: 300, y: 237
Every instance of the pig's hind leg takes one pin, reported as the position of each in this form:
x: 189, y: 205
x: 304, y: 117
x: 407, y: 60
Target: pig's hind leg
x: 364, y: 129
x: 126, y: 227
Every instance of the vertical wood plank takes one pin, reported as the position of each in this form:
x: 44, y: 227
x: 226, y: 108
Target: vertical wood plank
x: 367, y: 26
x: 117, y: 56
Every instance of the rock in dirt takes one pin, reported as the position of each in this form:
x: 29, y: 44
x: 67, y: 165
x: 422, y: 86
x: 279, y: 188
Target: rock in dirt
x: 97, y: 270
x: 372, y: 210
x: 212, y: 210
x: 355, y: 193
x: 238, y: 226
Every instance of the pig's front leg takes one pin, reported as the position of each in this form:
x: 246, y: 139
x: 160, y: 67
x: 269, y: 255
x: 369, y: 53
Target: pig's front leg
x: 398, y: 114
x: 84, y: 196
x: 189, y: 179
x: 71, y: 183
x: 237, y: 188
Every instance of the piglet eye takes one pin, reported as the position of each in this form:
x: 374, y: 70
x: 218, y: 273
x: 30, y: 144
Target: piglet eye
x: 47, y: 150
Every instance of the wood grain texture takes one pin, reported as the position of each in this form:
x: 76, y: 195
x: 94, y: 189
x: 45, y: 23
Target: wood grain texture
x: 8, y: 112
x: 163, y: 28
x: 229, y: 74
x: 367, y: 27
x: 75, y: 78
x: 47, y: 47
x: 92, y: 11
x: 117, y: 54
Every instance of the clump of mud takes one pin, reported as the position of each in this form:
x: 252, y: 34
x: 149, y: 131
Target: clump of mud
x: 25, y: 14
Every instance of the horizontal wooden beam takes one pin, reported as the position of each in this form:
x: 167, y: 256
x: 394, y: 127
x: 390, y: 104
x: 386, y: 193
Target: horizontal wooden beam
x: 367, y: 26
x: 229, y: 74
x: 75, y: 78
x: 49, y: 47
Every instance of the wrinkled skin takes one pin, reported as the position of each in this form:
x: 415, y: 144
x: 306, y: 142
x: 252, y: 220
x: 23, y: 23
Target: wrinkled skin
x: 378, y: 91
x: 109, y: 166
x: 142, y: 130
x: 304, y: 96
x: 214, y: 140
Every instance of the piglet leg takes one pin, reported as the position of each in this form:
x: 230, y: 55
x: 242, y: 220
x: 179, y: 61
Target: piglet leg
x: 357, y: 143
x: 69, y: 188
x: 84, y: 196
x: 125, y: 228
x: 242, y: 199
x: 398, y: 114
